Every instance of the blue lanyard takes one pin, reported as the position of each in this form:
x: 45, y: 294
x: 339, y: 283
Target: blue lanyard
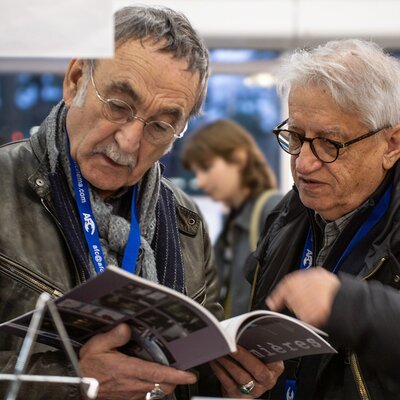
x: 307, y: 257
x: 377, y: 213
x: 82, y: 198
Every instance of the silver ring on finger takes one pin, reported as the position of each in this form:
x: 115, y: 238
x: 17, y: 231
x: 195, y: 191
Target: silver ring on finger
x: 247, y: 387
x: 156, y: 393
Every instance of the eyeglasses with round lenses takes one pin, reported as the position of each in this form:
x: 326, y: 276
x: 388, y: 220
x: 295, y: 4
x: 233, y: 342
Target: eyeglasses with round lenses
x: 326, y: 150
x: 119, y: 112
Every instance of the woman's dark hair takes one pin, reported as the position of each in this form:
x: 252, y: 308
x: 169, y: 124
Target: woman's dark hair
x: 221, y: 139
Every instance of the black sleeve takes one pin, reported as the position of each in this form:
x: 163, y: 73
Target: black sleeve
x: 365, y: 317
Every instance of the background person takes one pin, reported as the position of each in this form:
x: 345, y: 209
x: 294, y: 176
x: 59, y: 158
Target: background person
x: 331, y: 250
x: 231, y: 168
x: 117, y: 118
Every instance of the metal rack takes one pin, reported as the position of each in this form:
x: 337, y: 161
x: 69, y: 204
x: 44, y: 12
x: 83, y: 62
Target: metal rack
x: 89, y: 386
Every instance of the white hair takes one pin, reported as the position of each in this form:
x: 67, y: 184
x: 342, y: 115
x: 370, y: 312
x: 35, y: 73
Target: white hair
x: 360, y: 76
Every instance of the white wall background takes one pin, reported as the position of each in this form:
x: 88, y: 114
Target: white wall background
x: 286, y: 24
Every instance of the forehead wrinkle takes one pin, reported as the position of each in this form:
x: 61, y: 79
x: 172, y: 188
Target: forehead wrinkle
x: 320, y: 132
x: 172, y: 111
x: 125, y: 88
x: 330, y: 131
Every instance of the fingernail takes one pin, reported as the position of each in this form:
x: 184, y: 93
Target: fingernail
x: 193, y: 376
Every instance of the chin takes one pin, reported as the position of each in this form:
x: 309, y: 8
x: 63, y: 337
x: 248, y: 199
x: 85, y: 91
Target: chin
x: 100, y: 186
x: 102, y: 180
x: 313, y: 203
x: 308, y: 201
x: 327, y: 214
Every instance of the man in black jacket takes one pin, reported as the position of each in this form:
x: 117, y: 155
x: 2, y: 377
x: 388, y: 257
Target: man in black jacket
x: 330, y: 252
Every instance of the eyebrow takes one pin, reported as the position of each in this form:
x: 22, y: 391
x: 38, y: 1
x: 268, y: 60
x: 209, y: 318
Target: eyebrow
x: 125, y: 88
x: 331, y: 131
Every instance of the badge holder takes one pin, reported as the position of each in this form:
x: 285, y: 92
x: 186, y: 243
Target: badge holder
x: 89, y: 386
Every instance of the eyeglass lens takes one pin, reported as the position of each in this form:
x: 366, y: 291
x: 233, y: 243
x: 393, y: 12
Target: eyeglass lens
x: 157, y: 132
x: 322, y: 148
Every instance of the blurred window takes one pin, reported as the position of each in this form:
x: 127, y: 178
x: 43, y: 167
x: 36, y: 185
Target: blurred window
x: 25, y: 100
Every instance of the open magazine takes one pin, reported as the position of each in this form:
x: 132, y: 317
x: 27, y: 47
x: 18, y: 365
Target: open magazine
x: 168, y: 327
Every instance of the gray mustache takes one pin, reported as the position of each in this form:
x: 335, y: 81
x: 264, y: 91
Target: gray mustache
x: 111, y: 151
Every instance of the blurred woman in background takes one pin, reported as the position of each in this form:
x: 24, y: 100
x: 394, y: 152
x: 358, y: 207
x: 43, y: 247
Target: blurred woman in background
x: 230, y: 168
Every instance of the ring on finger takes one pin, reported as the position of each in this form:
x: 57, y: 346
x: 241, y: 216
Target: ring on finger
x: 156, y: 393
x: 247, y: 387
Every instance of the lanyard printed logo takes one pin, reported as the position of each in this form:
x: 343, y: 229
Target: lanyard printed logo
x: 307, y: 261
x: 290, y: 394
x: 307, y: 257
x: 290, y: 389
x: 89, y: 223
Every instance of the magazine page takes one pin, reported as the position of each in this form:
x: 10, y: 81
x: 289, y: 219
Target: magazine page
x: 273, y: 336
x: 167, y: 326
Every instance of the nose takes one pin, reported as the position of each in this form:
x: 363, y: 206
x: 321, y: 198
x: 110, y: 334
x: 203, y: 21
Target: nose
x: 200, y: 180
x: 306, y: 161
x: 129, y: 136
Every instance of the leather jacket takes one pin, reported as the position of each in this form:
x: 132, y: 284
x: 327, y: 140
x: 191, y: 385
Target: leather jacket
x: 35, y: 257
x: 364, y: 322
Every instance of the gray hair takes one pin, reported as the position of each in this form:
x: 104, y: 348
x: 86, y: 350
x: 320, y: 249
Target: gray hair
x: 359, y: 75
x: 174, y: 31
x: 79, y: 98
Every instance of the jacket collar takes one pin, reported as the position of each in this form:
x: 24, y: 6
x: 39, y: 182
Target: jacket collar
x: 243, y: 216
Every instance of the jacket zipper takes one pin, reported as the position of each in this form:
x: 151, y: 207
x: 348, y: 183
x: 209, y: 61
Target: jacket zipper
x: 375, y: 269
x: 253, y: 286
x: 355, y: 367
x: 354, y: 364
x: 14, y: 270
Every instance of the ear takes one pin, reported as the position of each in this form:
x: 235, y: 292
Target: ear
x: 392, y: 153
x: 72, y: 80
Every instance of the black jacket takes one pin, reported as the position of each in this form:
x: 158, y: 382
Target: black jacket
x: 365, y: 322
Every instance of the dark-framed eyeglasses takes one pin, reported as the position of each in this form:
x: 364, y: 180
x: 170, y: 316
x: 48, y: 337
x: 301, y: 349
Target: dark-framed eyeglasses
x: 120, y: 112
x: 326, y: 150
